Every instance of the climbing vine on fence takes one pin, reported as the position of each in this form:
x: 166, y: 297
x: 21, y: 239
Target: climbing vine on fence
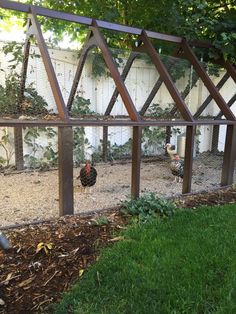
x: 40, y: 156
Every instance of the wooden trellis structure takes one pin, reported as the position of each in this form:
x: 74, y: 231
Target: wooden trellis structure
x: 134, y: 119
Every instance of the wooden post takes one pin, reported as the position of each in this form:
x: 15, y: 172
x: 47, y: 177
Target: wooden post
x: 104, y: 143
x: 229, y: 156
x: 168, y: 134
x: 65, y: 152
x: 18, y: 143
x: 18, y: 137
x: 136, y: 161
x: 188, y: 161
x: 215, y: 139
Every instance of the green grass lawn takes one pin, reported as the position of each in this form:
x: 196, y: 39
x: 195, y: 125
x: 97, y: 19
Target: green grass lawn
x: 183, y: 264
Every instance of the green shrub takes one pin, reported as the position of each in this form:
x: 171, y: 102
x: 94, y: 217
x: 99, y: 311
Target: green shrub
x: 147, y: 207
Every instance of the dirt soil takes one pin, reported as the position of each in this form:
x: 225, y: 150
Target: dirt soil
x: 33, y: 195
x: 31, y: 280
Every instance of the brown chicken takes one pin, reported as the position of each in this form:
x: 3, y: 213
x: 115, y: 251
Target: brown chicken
x: 88, y: 175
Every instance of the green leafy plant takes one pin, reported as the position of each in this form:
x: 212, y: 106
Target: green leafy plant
x: 148, y: 207
x: 30, y: 138
x: 49, y: 154
x: 120, y: 151
x: 6, y: 143
x: 99, y: 67
x: 101, y: 220
x: 11, y: 101
x: 114, y: 152
x: 80, y: 106
x: 152, y: 137
x: 32, y: 103
x: 80, y: 142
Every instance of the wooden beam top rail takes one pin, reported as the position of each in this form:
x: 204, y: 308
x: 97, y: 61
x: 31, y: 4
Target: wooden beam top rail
x: 101, y: 123
x: 22, y: 7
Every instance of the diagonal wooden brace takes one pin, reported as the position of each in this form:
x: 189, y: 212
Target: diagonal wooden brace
x: 89, y: 44
x: 166, y: 77
x: 132, y: 57
x: 207, y: 81
x: 49, y: 67
x: 130, y: 107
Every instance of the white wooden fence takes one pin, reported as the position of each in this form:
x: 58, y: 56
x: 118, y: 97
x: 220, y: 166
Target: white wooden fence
x: 139, y: 82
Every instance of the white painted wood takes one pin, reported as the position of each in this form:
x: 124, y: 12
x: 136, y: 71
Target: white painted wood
x: 139, y: 82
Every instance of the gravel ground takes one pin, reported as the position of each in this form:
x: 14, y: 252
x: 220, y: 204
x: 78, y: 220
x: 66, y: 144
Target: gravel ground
x: 33, y: 196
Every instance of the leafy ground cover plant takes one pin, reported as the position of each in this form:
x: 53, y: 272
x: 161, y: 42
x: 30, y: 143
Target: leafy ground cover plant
x: 148, y: 207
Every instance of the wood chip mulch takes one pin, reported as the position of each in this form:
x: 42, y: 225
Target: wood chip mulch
x: 47, y: 258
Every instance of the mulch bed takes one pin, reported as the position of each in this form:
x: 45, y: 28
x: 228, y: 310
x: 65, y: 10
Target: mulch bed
x: 31, y: 280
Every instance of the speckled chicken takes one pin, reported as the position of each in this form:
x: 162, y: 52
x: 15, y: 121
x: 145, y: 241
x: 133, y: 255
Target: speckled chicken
x: 171, y: 150
x: 88, y: 175
x: 177, y: 168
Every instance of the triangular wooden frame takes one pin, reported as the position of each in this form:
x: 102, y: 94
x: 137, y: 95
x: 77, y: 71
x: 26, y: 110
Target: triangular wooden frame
x: 207, y: 81
x: 133, y: 55
x: 122, y: 89
x: 165, y: 77
x: 96, y: 39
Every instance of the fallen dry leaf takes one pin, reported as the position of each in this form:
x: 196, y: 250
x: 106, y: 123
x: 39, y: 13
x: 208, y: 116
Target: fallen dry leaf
x: 78, y: 234
x: 116, y: 239
x: 81, y: 272
x: 26, y: 282
x: 2, y: 302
